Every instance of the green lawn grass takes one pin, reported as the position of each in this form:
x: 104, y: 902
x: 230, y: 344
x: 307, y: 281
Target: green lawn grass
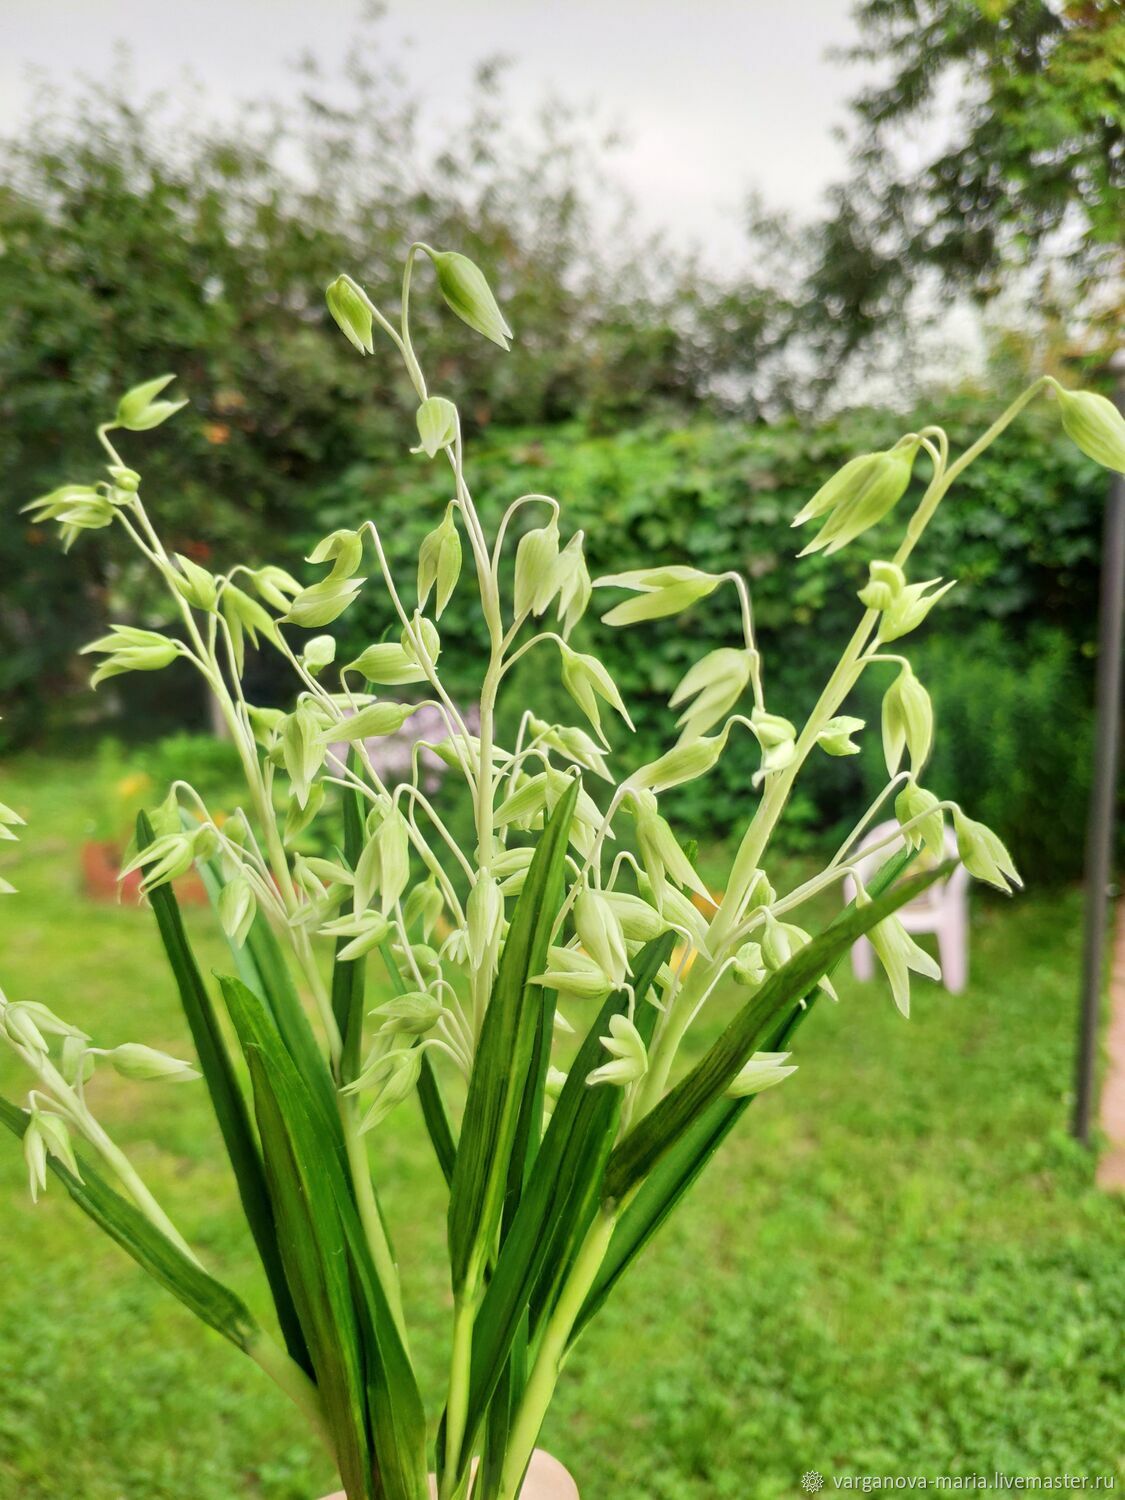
x: 899, y: 1265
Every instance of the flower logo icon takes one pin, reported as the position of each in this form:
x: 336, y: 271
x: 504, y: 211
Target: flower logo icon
x: 811, y: 1481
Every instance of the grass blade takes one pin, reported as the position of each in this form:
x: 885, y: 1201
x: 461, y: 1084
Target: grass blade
x: 759, y: 1018
x: 349, y: 975
x: 671, y: 1178
x: 504, y: 1056
x: 559, y: 1200
x: 371, y: 1396
x: 227, y: 1101
x: 207, y: 1298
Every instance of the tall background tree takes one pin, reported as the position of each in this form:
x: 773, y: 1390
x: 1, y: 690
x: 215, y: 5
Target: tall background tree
x: 1024, y: 188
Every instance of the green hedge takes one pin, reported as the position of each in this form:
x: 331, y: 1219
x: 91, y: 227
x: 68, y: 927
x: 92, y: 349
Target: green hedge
x: 1007, y: 654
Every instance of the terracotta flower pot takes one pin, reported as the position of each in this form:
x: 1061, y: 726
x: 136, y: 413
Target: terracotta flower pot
x: 546, y: 1480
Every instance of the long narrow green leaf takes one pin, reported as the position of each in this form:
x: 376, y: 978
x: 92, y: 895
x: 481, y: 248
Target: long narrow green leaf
x: 349, y: 975
x: 659, y: 1131
x: 207, y: 1298
x: 672, y: 1177
x: 313, y: 1248
x: 262, y: 968
x: 560, y: 1198
x: 370, y: 1391
x: 436, y: 1118
x: 504, y: 1055
x: 228, y: 1102
x: 276, y: 987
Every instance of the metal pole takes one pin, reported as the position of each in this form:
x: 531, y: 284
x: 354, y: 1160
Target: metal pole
x: 1099, y: 834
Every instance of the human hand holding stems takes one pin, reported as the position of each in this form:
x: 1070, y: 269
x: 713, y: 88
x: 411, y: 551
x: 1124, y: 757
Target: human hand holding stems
x: 557, y: 1178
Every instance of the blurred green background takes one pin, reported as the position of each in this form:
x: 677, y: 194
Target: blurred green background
x: 900, y: 1264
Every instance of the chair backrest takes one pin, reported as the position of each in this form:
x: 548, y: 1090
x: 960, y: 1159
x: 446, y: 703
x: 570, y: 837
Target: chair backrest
x: 942, y: 891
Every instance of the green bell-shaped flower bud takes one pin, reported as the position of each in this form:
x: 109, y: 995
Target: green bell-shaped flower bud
x: 422, y: 641
x: 35, y: 1159
x: 921, y: 808
x: 56, y: 1138
x: 716, y: 682
x: 392, y: 1078
x: 319, y: 653
x: 468, y: 294
x: 765, y: 1070
x: 661, y: 854
x: 778, y: 739
x: 599, y: 931
x: 574, y: 584
x: 627, y: 1050
x: 373, y: 721
x: 343, y: 549
x: 836, y: 736
x: 195, y: 584
x: 885, y: 582
x: 900, y: 955
x: 76, y: 507
x: 352, y: 309
x: 640, y: 922
x: 749, y: 966
x: 484, y: 917
x: 127, y: 649
x: 134, y: 1060
x: 364, y: 930
x: 572, y: 744
x: 302, y: 748
x: 872, y: 492
x: 139, y: 411
x: 844, y: 485
x: 245, y: 617
x: 439, y: 562
x: 1094, y: 425
x: 908, y: 722
x: 323, y: 602
x: 684, y: 762
x: 387, y: 664
x: 424, y: 905
x: 536, y: 573
x: 276, y: 586
x: 574, y: 974
x: 238, y: 906
x: 437, y: 424
x: 983, y: 854
x: 414, y: 1014
x: 587, y: 680
x: 164, y: 860
x: 659, y: 592
x: 393, y: 842
x: 911, y: 606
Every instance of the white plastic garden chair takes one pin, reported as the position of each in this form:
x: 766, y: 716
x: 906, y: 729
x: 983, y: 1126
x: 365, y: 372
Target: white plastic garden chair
x: 942, y: 909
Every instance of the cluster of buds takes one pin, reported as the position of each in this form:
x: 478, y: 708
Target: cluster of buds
x: 411, y: 892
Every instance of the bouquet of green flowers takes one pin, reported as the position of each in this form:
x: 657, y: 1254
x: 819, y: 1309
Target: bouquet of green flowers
x: 398, y: 960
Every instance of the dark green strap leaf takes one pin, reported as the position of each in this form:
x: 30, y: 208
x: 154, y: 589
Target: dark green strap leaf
x: 436, y: 1117
x: 659, y: 1131
x: 353, y: 1337
x: 207, y: 1298
x: 504, y: 1056
x: 674, y: 1174
x: 348, y: 975
x: 228, y: 1102
x: 560, y: 1198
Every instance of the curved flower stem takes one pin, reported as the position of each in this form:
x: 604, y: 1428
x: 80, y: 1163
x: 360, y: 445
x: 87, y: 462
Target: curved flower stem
x: 748, y: 859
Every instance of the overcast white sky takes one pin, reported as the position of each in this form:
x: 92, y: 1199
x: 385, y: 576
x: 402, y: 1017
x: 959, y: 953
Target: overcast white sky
x: 716, y: 96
